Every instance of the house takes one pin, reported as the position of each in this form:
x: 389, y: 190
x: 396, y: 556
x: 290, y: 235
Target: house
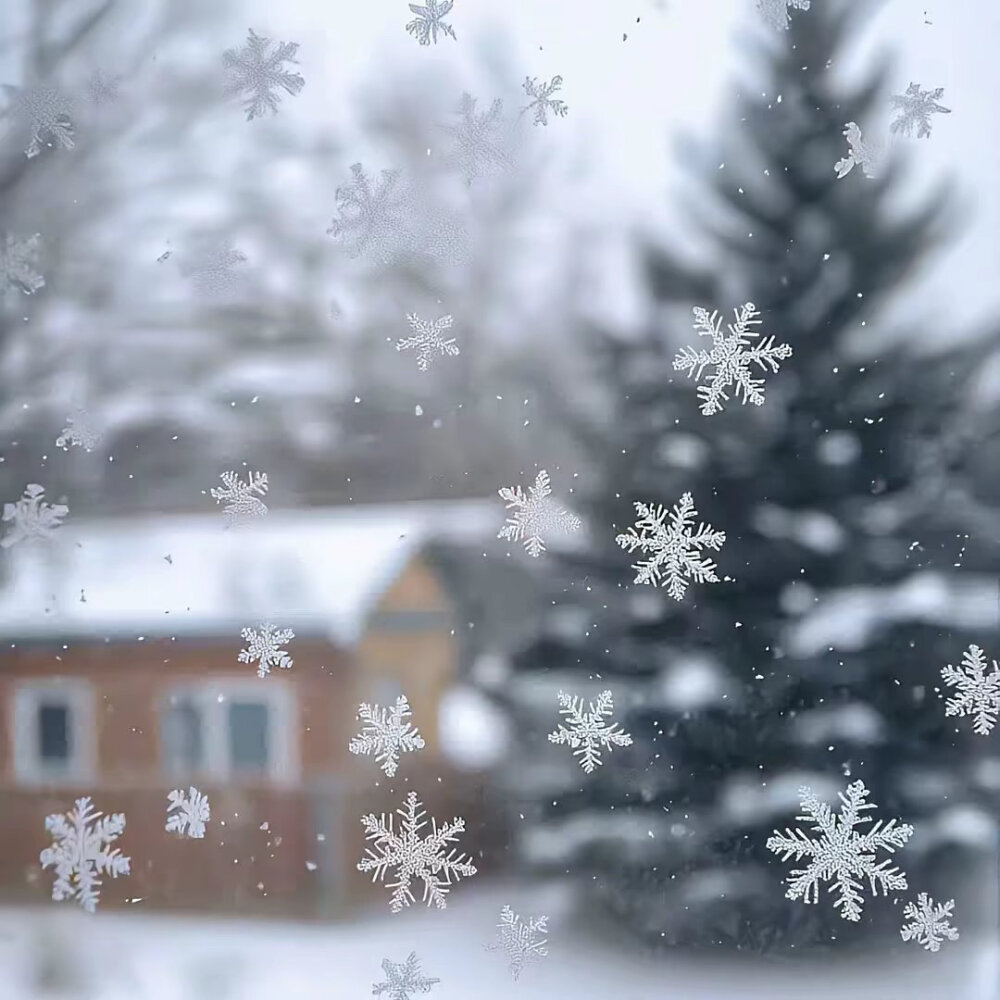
x: 120, y: 680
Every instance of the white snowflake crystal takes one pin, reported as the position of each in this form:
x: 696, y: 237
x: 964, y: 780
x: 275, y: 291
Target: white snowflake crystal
x: 479, y: 140
x: 521, y: 942
x: 385, y: 734
x: 587, y: 732
x: 265, y: 647
x: 427, y: 340
x: 19, y: 266
x: 840, y: 854
x: 80, y: 852
x: 915, y: 108
x: 430, y: 20
x: 241, y: 504
x: 373, y: 220
x: 542, y: 100
x: 862, y: 152
x: 674, y: 546
x: 928, y: 922
x: 257, y: 72
x: 215, y: 270
x: 403, y: 979
x: 412, y: 857
x: 534, y: 515
x: 45, y: 113
x: 730, y: 356
x: 978, y: 692
x: 188, y: 813
x: 78, y: 433
x: 31, y: 517
x: 775, y: 12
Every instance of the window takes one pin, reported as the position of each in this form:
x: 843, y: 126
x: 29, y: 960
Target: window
x: 183, y: 742
x: 53, y: 731
x: 247, y: 730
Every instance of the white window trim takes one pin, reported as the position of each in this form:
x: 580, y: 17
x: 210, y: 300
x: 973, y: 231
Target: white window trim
x: 212, y: 699
x: 29, y: 768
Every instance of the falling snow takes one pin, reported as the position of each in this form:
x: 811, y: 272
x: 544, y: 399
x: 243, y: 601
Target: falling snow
x: 587, y: 732
x: 264, y: 646
x: 427, y: 340
x: 241, y: 504
x: 535, y: 515
x: 188, y: 813
x: 256, y: 71
x: 386, y: 734
x: 31, y: 518
x: 928, y: 922
x: 978, y: 691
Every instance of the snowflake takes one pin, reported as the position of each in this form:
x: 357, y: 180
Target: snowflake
x: 427, y: 339
x: 80, y: 852
x: 731, y: 357
x: 32, y: 517
x: 535, y: 514
x: 213, y: 270
x: 587, y: 732
x: 402, y: 979
x: 385, y: 734
x: 674, y: 546
x: 428, y: 22
x: 543, y: 102
x: 412, y: 857
x: 841, y: 854
x: 776, y: 11
x: 978, y: 692
x: 45, y: 113
x: 241, y: 504
x: 18, y: 265
x: 864, y: 153
x: 102, y: 88
x: 78, y: 433
x: 265, y: 646
x: 479, y: 141
x: 518, y: 941
x: 257, y: 72
x: 915, y: 109
x: 373, y: 219
x: 928, y: 922
x: 187, y: 813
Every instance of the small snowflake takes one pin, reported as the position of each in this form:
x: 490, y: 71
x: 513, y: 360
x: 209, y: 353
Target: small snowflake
x: 520, y: 942
x: 775, y: 12
x: 372, y: 219
x: 45, y: 113
x: 385, y: 734
x: 978, y: 692
x: 265, y: 647
x: 187, y: 814
x: 214, y: 270
x: 928, y: 922
x: 32, y: 517
x: 535, y: 514
x: 675, y: 547
x: 80, y: 853
x: 862, y: 152
x: 412, y: 857
x: 915, y: 108
x: 427, y: 340
x: 241, y: 504
x: 256, y: 72
x: 731, y: 357
x: 78, y: 432
x: 587, y: 732
x: 403, y: 979
x: 841, y: 855
x: 542, y: 100
x: 429, y: 21
x: 19, y: 266
x: 102, y: 88
x: 478, y: 139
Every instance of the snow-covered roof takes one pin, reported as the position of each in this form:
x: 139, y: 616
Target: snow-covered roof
x: 321, y: 570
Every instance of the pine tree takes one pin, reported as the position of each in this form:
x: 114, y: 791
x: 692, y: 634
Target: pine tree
x: 816, y: 658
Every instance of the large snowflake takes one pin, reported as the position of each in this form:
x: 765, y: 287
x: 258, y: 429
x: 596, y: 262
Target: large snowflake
x: 80, y: 852
x: 430, y: 20
x: 915, y: 108
x: 861, y: 152
x: 412, y: 857
x: 928, y: 922
x: 78, y: 432
x: 264, y: 646
x: 479, y: 140
x: 521, y: 942
x: 427, y: 340
x: 188, y: 813
x: 373, y: 219
x: 978, y: 691
x: 19, y: 266
x: 534, y: 515
x: 403, y: 979
x: 386, y: 734
x: 542, y: 100
x: 586, y: 732
x: 257, y: 71
x: 775, y: 12
x: 31, y: 517
x: 241, y: 504
x: 44, y: 113
x: 675, y: 548
x: 841, y: 855
x: 731, y: 357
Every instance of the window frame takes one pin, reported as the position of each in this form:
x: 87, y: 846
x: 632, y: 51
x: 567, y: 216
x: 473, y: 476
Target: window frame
x: 29, y: 697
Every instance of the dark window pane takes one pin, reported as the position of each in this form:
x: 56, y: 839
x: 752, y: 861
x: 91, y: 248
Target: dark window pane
x: 53, y: 733
x: 183, y: 744
x: 248, y: 736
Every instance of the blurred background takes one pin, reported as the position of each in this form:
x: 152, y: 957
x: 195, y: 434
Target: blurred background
x: 187, y: 292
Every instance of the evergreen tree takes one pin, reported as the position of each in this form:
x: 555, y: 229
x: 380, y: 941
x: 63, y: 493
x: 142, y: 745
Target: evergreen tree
x: 816, y: 658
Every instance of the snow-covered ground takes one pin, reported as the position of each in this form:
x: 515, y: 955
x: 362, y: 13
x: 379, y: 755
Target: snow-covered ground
x: 146, y: 957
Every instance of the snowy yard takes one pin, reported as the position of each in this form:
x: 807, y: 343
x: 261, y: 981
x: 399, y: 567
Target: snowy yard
x: 144, y: 957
